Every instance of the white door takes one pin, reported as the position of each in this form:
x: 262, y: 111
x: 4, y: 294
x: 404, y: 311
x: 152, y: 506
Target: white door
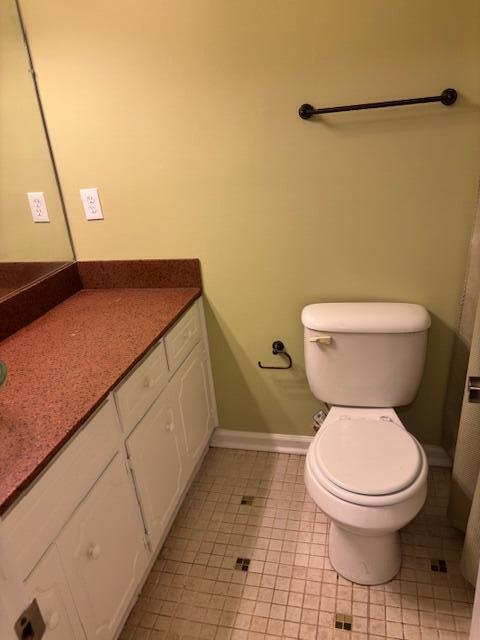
x: 191, y: 388
x: 103, y: 553
x: 47, y: 583
x: 157, y: 463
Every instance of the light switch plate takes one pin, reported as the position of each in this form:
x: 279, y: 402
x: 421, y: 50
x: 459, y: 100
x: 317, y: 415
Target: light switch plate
x: 91, y: 204
x: 38, y: 206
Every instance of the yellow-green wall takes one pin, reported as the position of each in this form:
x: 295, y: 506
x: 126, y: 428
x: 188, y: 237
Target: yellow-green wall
x: 24, y: 159
x: 184, y: 114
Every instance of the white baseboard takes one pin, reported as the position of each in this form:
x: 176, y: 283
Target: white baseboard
x: 256, y: 441
x: 282, y: 443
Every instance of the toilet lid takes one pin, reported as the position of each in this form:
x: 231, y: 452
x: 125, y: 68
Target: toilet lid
x: 370, y: 457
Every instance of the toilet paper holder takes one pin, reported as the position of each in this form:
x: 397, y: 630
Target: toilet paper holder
x: 278, y: 349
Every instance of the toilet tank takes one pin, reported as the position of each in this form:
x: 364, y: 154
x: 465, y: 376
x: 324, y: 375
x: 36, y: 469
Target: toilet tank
x: 365, y: 354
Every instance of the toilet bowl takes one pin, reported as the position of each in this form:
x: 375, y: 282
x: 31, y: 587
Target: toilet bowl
x: 369, y: 475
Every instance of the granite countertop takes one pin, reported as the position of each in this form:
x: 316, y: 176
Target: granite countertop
x: 64, y: 364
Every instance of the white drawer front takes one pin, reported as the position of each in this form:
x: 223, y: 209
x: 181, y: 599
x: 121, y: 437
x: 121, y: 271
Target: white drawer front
x: 137, y: 393
x: 35, y: 521
x: 182, y: 337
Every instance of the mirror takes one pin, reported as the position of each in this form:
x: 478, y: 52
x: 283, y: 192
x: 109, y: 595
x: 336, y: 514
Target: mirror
x: 28, y: 250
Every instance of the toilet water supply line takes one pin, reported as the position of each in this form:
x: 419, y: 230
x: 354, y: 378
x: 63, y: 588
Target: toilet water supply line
x: 319, y: 418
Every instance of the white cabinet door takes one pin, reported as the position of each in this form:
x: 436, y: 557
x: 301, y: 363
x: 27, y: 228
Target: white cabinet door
x: 47, y: 583
x: 191, y: 388
x: 13, y: 595
x: 157, y: 461
x: 103, y: 552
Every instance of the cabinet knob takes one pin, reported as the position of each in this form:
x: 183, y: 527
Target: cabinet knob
x: 148, y: 382
x: 53, y: 620
x: 169, y: 427
x: 94, y: 551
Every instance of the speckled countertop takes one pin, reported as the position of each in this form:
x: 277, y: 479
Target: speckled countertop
x: 64, y: 364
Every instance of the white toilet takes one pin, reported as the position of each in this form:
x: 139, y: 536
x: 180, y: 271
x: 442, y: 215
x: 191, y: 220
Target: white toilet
x: 363, y: 469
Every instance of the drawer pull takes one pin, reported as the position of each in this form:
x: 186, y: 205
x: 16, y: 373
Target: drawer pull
x: 53, y: 620
x: 169, y: 427
x: 94, y: 552
x: 148, y: 383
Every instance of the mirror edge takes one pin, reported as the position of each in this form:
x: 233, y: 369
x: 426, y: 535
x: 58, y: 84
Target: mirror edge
x: 47, y: 135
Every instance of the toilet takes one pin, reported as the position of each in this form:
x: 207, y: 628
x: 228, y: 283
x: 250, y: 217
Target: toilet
x: 363, y: 468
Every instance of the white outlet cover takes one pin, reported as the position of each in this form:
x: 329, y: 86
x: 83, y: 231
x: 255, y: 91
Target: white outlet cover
x: 38, y: 206
x: 91, y: 204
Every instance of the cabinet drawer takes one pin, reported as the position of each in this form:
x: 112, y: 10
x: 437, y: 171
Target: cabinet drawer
x: 46, y: 507
x: 137, y: 393
x: 181, y: 339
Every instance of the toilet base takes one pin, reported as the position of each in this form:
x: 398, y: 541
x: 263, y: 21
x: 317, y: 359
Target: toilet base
x: 364, y: 559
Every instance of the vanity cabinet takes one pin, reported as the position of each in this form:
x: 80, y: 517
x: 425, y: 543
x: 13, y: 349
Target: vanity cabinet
x: 104, y: 505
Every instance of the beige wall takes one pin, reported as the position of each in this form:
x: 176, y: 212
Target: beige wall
x: 183, y: 114
x: 24, y: 159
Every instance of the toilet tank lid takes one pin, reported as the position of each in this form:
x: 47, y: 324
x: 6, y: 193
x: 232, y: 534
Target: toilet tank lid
x: 366, y: 317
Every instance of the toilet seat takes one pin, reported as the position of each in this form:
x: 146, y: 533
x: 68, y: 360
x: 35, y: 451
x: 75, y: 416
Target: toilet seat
x: 376, y: 443
x: 365, y: 461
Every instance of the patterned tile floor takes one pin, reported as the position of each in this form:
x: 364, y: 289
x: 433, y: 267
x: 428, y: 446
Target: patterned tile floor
x: 201, y: 587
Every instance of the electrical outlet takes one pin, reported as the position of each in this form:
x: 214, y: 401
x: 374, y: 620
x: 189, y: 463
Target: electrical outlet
x: 38, y: 206
x: 91, y: 204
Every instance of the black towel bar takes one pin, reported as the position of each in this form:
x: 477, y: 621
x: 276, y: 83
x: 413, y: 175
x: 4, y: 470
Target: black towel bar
x: 447, y: 97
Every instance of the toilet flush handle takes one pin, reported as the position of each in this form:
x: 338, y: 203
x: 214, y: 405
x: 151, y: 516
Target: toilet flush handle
x: 322, y: 339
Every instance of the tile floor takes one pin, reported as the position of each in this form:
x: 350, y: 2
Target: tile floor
x: 252, y: 506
